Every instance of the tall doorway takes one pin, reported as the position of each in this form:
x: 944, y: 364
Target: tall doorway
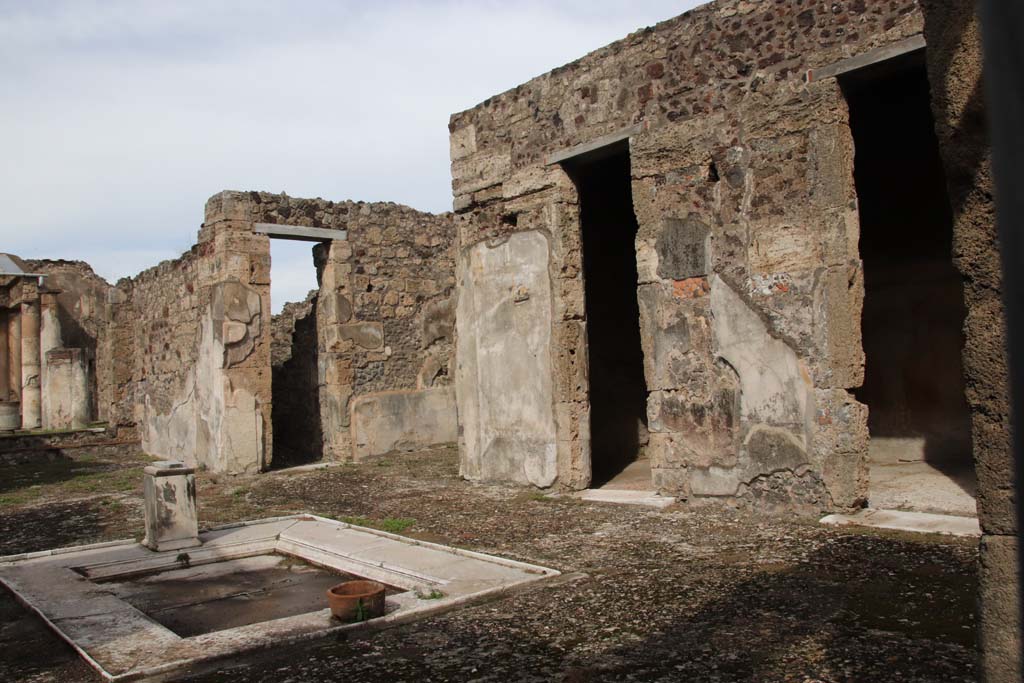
x: 618, y: 392
x: 295, y: 390
x: 912, y: 324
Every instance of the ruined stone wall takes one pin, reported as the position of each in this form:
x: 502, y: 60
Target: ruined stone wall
x: 384, y: 319
x: 193, y: 349
x: 750, y: 284
x: 84, y: 312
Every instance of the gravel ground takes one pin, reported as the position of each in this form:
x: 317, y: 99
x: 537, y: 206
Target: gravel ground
x: 672, y: 595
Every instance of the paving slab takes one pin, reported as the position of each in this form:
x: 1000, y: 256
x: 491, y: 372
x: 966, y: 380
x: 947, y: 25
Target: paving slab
x: 626, y: 497
x: 901, y: 520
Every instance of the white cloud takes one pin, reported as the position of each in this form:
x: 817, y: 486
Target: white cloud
x: 119, y: 119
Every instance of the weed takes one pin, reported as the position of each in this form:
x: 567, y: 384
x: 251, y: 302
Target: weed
x: 393, y: 525
x: 433, y: 594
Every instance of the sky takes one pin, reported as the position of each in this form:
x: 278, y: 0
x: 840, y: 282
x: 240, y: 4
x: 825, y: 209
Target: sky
x: 118, y: 118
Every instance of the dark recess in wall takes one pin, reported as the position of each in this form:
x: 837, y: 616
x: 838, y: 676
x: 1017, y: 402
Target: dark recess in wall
x: 914, y: 310
x: 618, y: 392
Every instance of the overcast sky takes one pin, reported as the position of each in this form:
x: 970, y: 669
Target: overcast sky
x: 118, y: 119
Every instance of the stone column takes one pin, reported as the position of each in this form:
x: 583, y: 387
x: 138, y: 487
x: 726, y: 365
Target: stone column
x: 14, y: 354
x: 49, y: 339
x: 31, y: 407
x: 5, y: 369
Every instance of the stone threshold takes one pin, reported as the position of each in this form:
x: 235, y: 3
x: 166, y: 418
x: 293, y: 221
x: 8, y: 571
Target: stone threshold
x: 902, y: 520
x: 625, y: 497
x: 65, y: 588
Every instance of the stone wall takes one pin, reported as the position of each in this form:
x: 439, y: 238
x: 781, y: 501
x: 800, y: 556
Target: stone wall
x: 750, y: 284
x: 750, y: 279
x: 192, y: 340
x: 84, y: 315
x: 384, y: 312
x: 187, y: 354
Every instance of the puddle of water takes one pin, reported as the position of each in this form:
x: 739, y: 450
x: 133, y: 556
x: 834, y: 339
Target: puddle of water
x: 232, y: 593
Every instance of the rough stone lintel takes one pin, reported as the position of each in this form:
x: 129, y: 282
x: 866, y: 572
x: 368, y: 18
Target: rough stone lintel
x: 594, y: 145
x: 299, y: 233
x: 879, y: 54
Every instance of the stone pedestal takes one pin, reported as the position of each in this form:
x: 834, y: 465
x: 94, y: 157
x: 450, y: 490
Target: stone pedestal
x: 10, y: 416
x: 172, y: 520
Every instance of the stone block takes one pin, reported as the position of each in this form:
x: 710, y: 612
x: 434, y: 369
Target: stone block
x: 841, y: 299
x: 333, y: 307
x: 773, y: 449
x: 993, y: 463
x: 714, y: 482
x: 367, y: 335
x: 463, y: 142
x: 670, y: 330
x: 783, y: 247
x: 683, y: 248
x: 840, y: 445
x: 999, y: 610
x: 172, y: 521
x: 704, y: 424
x: 237, y: 314
x: 438, y: 322
x: 403, y: 421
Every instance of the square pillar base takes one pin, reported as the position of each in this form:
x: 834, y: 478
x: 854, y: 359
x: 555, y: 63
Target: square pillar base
x: 172, y: 521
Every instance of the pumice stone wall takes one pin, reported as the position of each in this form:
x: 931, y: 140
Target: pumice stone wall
x: 750, y: 245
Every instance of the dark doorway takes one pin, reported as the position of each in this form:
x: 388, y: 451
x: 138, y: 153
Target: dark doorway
x: 912, y: 324
x: 618, y: 392
x: 294, y: 356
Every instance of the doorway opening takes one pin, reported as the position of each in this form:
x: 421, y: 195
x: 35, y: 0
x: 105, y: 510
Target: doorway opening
x: 297, y: 432
x: 618, y: 391
x: 912, y: 323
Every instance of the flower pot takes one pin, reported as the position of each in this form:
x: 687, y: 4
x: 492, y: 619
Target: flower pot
x: 356, y: 600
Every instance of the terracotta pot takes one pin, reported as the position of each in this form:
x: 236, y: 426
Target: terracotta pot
x: 356, y: 600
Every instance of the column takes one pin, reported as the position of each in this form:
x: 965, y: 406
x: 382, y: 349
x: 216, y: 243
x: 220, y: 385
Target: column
x: 5, y: 370
x: 31, y: 417
x: 49, y: 339
x: 14, y: 353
